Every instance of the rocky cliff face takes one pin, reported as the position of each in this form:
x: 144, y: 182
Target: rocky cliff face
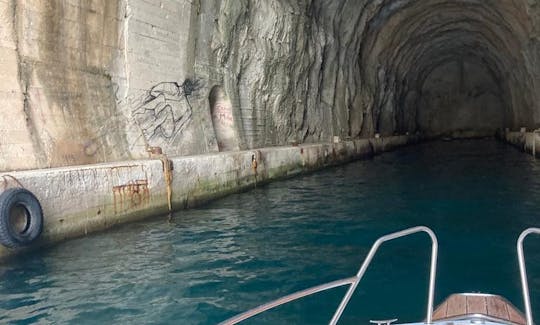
x: 95, y: 80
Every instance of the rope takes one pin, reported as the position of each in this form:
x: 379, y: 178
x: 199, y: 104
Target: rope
x: 167, y: 168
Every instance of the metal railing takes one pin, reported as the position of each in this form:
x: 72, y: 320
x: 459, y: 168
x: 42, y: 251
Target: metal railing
x: 353, y: 281
x: 523, y: 272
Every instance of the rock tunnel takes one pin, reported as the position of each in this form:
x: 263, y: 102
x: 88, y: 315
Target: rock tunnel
x: 449, y: 67
x: 102, y: 81
x: 437, y: 67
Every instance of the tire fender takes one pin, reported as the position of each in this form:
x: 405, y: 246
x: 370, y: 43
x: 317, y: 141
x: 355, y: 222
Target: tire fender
x: 21, y: 218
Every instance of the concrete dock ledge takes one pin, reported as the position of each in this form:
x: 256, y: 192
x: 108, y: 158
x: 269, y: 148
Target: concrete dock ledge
x: 79, y: 200
x: 528, y: 141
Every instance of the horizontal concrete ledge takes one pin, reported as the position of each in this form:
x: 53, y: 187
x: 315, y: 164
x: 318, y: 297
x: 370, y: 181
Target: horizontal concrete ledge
x: 80, y: 200
x: 529, y: 142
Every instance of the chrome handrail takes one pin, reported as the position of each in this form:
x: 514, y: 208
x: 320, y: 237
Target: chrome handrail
x: 367, y: 261
x: 283, y: 300
x: 523, y: 272
x: 353, y: 281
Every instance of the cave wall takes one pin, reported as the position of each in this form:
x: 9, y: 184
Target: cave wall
x: 97, y: 81
x: 308, y: 70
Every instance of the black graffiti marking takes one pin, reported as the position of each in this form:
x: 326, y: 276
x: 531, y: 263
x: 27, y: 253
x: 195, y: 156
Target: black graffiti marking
x: 166, y: 110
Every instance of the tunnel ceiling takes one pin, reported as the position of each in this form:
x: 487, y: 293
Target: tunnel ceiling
x: 406, y: 41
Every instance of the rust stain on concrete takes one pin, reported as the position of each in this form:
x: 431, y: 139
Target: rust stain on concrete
x: 133, y: 195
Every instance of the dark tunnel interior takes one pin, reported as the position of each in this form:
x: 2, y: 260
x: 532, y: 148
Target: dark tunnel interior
x: 449, y: 67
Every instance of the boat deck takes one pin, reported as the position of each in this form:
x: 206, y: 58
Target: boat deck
x: 478, y: 304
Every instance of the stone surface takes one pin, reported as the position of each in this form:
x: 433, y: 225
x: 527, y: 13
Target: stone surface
x: 100, y: 81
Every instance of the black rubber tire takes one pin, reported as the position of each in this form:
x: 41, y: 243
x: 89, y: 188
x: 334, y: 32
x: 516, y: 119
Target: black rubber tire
x: 22, y: 198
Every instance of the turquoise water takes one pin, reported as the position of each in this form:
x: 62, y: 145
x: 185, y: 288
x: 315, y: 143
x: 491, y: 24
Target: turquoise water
x: 249, y: 248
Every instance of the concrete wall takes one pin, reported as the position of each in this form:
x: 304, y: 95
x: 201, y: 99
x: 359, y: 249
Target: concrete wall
x: 97, y: 81
x: 80, y: 200
x: 154, y: 79
x: 55, y: 92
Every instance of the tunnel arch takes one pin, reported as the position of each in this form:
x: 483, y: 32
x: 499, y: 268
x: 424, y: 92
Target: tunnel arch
x: 404, y: 42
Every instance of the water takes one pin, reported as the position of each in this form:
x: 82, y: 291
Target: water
x: 249, y: 248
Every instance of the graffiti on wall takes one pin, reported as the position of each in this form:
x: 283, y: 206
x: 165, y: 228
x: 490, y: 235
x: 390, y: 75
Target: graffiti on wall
x: 223, y: 120
x: 165, y: 111
x: 223, y: 113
